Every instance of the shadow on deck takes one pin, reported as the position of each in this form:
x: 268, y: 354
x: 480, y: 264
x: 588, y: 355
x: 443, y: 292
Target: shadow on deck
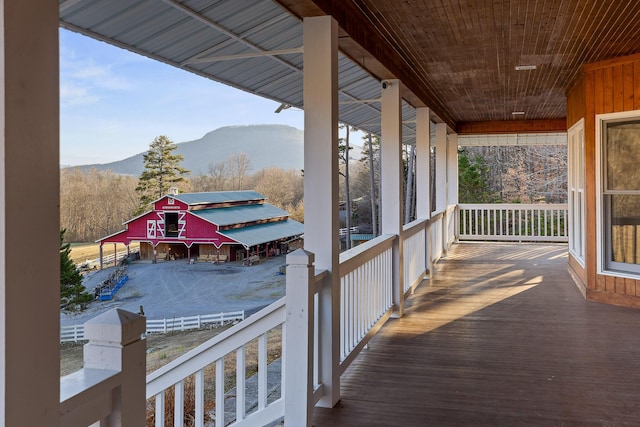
x: 500, y: 336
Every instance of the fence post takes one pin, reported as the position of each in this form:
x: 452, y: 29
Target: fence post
x: 115, y: 343
x: 298, y: 344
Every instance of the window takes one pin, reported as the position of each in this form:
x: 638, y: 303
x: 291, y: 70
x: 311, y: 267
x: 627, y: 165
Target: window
x: 577, y: 229
x: 171, y: 224
x: 620, y: 192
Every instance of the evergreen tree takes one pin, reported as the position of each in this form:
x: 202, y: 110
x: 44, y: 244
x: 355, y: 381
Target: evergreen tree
x: 73, y: 295
x: 473, y: 179
x: 162, y: 170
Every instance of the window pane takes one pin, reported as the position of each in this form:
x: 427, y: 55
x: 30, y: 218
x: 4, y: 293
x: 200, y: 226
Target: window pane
x: 625, y: 229
x: 623, y: 156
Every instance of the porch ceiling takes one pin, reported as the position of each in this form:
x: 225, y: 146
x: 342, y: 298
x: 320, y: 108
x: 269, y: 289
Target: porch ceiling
x: 456, y: 56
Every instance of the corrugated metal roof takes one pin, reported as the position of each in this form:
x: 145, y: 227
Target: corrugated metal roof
x: 218, y: 197
x: 263, y: 233
x: 191, y: 34
x: 240, y: 214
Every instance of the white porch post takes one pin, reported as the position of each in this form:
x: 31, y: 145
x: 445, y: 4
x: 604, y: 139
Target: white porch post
x: 452, y: 182
x: 423, y: 165
x: 452, y: 170
x: 29, y: 214
x: 298, y: 355
x: 441, y: 166
x: 423, y: 176
x: 321, y: 187
x: 391, y: 197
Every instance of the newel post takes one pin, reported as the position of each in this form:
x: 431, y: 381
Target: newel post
x: 115, y: 343
x: 298, y: 344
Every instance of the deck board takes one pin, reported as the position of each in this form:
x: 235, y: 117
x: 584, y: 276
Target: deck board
x: 500, y: 336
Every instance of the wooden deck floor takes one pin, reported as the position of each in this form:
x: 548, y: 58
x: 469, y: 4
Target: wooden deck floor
x: 500, y: 337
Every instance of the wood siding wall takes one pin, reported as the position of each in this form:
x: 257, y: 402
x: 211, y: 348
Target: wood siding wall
x: 604, y: 87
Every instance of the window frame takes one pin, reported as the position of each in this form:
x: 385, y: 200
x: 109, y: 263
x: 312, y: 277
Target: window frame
x: 576, y: 188
x: 605, y: 263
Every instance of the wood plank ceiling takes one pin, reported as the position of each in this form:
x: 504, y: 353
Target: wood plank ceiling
x: 459, y: 56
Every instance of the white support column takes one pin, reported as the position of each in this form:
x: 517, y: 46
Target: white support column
x: 452, y: 183
x: 29, y: 214
x: 423, y: 176
x: 452, y: 170
x: 391, y: 197
x: 298, y: 355
x: 423, y: 165
x: 441, y: 166
x: 321, y: 222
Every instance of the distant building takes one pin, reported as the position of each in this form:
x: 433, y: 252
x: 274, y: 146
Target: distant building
x: 224, y: 225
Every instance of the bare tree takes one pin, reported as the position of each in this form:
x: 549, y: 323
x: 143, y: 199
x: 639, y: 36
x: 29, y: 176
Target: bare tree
x: 283, y: 188
x: 218, y: 174
x: 94, y: 204
x: 238, y: 166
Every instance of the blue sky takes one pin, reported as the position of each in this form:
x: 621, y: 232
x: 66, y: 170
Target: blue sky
x: 114, y: 102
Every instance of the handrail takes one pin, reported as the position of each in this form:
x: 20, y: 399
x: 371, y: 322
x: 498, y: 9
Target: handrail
x: 355, y: 257
x: 414, y: 227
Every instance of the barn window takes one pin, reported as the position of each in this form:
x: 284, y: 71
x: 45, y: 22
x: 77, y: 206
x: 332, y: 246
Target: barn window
x: 171, y: 224
x: 620, y: 192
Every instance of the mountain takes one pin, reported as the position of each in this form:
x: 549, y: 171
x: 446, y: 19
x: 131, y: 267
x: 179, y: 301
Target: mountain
x: 265, y: 145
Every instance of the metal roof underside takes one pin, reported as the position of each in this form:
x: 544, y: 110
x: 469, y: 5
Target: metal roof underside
x: 263, y: 233
x: 240, y: 214
x: 201, y: 36
x: 218, y: 197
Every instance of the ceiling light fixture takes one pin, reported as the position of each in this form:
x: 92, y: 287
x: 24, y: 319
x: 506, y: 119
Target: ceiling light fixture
x: 517, y: 113
x: 525, y: 67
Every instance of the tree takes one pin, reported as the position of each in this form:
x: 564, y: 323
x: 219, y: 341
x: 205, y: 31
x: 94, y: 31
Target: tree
x: 473, y: 176
x: 372, y: 154
x: 73, y: 295
x: 343, y: 150
x: 238, y: 166
x: 95, y: 203
x: 162, y: 170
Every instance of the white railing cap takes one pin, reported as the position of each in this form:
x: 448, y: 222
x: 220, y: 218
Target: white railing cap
x: 301, y: 257
x: 116, y: 326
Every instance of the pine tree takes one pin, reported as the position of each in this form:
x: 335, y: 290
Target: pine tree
x: 161, y: 171
x: 73, y: 295
x: 473, y: 179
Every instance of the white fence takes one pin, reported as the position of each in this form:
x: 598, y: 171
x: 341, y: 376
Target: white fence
x: 514, y: 222
x: 163, y: 326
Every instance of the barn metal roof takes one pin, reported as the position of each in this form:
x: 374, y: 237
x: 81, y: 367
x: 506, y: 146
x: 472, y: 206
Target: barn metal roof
x: 263, y: 233
x: 240, y: 214
x: 192, y: 199
x: 253, y: 45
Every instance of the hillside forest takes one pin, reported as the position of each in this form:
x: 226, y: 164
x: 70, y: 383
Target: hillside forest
x: 94, y: 203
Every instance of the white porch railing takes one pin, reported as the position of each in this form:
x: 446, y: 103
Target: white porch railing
x: 414, y: 237
x: 109, y: 389
x: 183, y: 385
x: 514, y: 222
x: 199, y: 386
x: 366, y: 273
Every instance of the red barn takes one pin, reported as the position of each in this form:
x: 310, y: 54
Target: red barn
x: 224, y: 225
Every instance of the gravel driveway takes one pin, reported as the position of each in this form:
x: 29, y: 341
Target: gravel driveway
x: 175, y: 289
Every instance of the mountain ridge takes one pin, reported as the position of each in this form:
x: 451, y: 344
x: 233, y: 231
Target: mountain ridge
x: 266, y: 146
